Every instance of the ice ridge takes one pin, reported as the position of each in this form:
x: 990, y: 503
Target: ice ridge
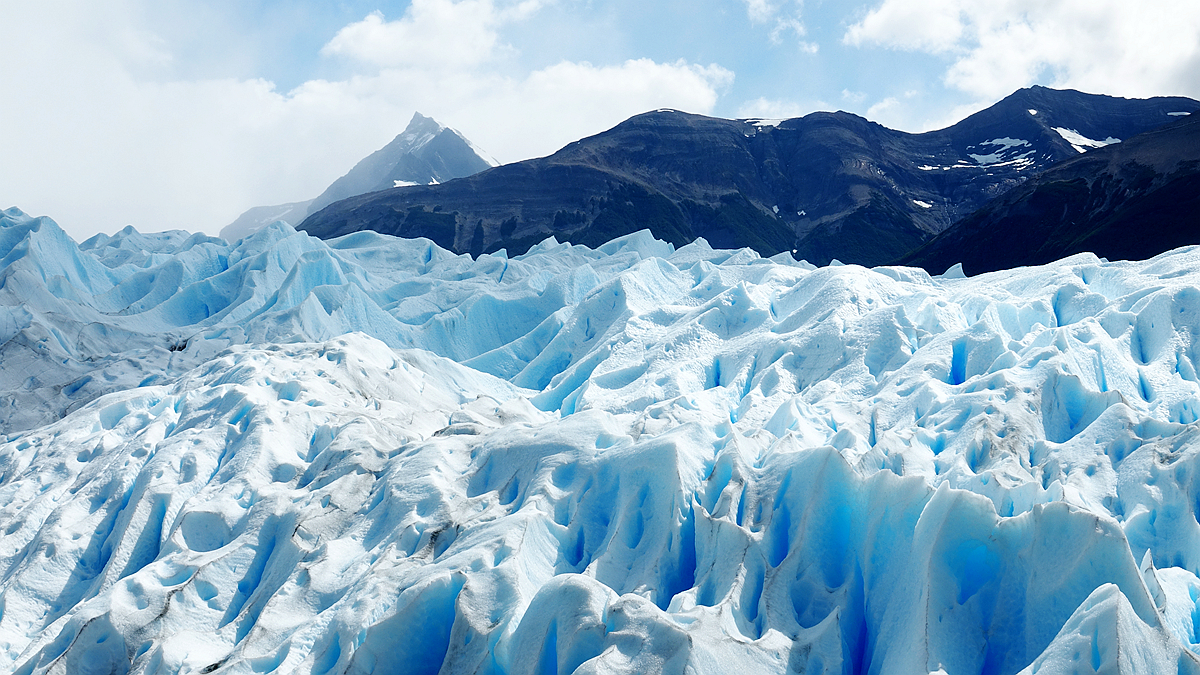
x: 372, y: 455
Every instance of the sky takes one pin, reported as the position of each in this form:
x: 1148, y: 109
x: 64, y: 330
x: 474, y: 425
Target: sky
x: 169, y: 114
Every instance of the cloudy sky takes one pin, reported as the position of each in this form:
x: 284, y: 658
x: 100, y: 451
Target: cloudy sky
x: 180, y: 114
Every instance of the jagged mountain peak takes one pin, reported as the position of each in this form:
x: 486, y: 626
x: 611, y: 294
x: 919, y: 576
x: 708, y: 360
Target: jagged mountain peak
x: 425, y: 153
x: 420, y: 131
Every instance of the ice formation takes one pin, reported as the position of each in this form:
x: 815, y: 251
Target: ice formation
x: 371, y: 455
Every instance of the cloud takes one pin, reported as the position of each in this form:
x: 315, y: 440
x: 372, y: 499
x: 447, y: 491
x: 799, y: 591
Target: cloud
x: 775, y: 109
x: 575, y: 99
x: 436, y: 34
x: 110, y: 135
x: 879, y: 111
x: 1145, y: 48
x: 926, y: 25
x: 538, y: 112
x: 781, y: 20
x: 760, y: 11
x: 853, y: 96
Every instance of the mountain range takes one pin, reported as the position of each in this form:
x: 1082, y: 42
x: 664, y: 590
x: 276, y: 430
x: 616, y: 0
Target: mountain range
x: 1131, y: 200
x: 825, y: 186
x: 425, y: 153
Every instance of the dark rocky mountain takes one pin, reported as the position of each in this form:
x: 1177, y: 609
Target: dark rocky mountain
x: 827, y: 185
x: 1132, y: 200
x: 425, y: 153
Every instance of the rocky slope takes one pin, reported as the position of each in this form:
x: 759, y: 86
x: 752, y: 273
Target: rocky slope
x: 1129, y: 201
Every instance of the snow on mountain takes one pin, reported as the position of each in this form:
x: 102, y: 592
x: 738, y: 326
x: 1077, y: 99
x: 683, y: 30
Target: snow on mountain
x: 372, y: 455
x: 425, y: 153
x: 1080, y: 142
x: 824, y: 186
x: 998, y: 148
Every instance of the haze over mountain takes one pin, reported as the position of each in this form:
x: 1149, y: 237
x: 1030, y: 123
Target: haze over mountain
x: 425, y: 153
x: 1129, y: 201
x: 826, y: 186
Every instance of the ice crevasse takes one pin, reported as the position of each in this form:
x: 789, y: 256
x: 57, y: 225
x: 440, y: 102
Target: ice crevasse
x: 370, y: 455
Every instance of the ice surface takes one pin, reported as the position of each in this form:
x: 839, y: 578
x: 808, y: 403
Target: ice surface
x: 372, y: 455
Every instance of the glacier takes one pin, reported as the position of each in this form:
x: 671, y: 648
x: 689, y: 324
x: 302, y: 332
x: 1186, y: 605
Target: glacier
x: 370, y: 455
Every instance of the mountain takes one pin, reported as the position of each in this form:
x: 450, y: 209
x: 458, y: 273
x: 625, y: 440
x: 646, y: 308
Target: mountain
x: 1133, y: 201
x: 371, y: 454
x: 824, y: 186
x: 258, y: 217
x: 426, y: 153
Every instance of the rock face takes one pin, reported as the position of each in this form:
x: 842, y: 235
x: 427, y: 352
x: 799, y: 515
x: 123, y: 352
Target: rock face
x: 426, y: 153
x: 827, y: 185
x: 1132, y: 200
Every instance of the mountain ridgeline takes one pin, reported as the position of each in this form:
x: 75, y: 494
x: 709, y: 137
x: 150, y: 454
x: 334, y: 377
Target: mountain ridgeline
x: 825, y: 186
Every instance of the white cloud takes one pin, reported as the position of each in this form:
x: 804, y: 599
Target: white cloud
x: 1145, y: 48
x: 782, y: 21
x: 927, y: 25
x: 774, y: 109
x: 537, y: 113
x: 879, y: 112
x: 760, y: 11
x: 432, y: 34
x: 854, y: 96
x: 566, y: 101
x: 108, y: 138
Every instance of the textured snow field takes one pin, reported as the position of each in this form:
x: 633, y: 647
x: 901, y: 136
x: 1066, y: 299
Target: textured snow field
x: 373, y: 456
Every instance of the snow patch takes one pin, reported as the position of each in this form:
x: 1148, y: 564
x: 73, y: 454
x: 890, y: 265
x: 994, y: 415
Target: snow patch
x: 1082, y: 143
x: 999, y: 155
